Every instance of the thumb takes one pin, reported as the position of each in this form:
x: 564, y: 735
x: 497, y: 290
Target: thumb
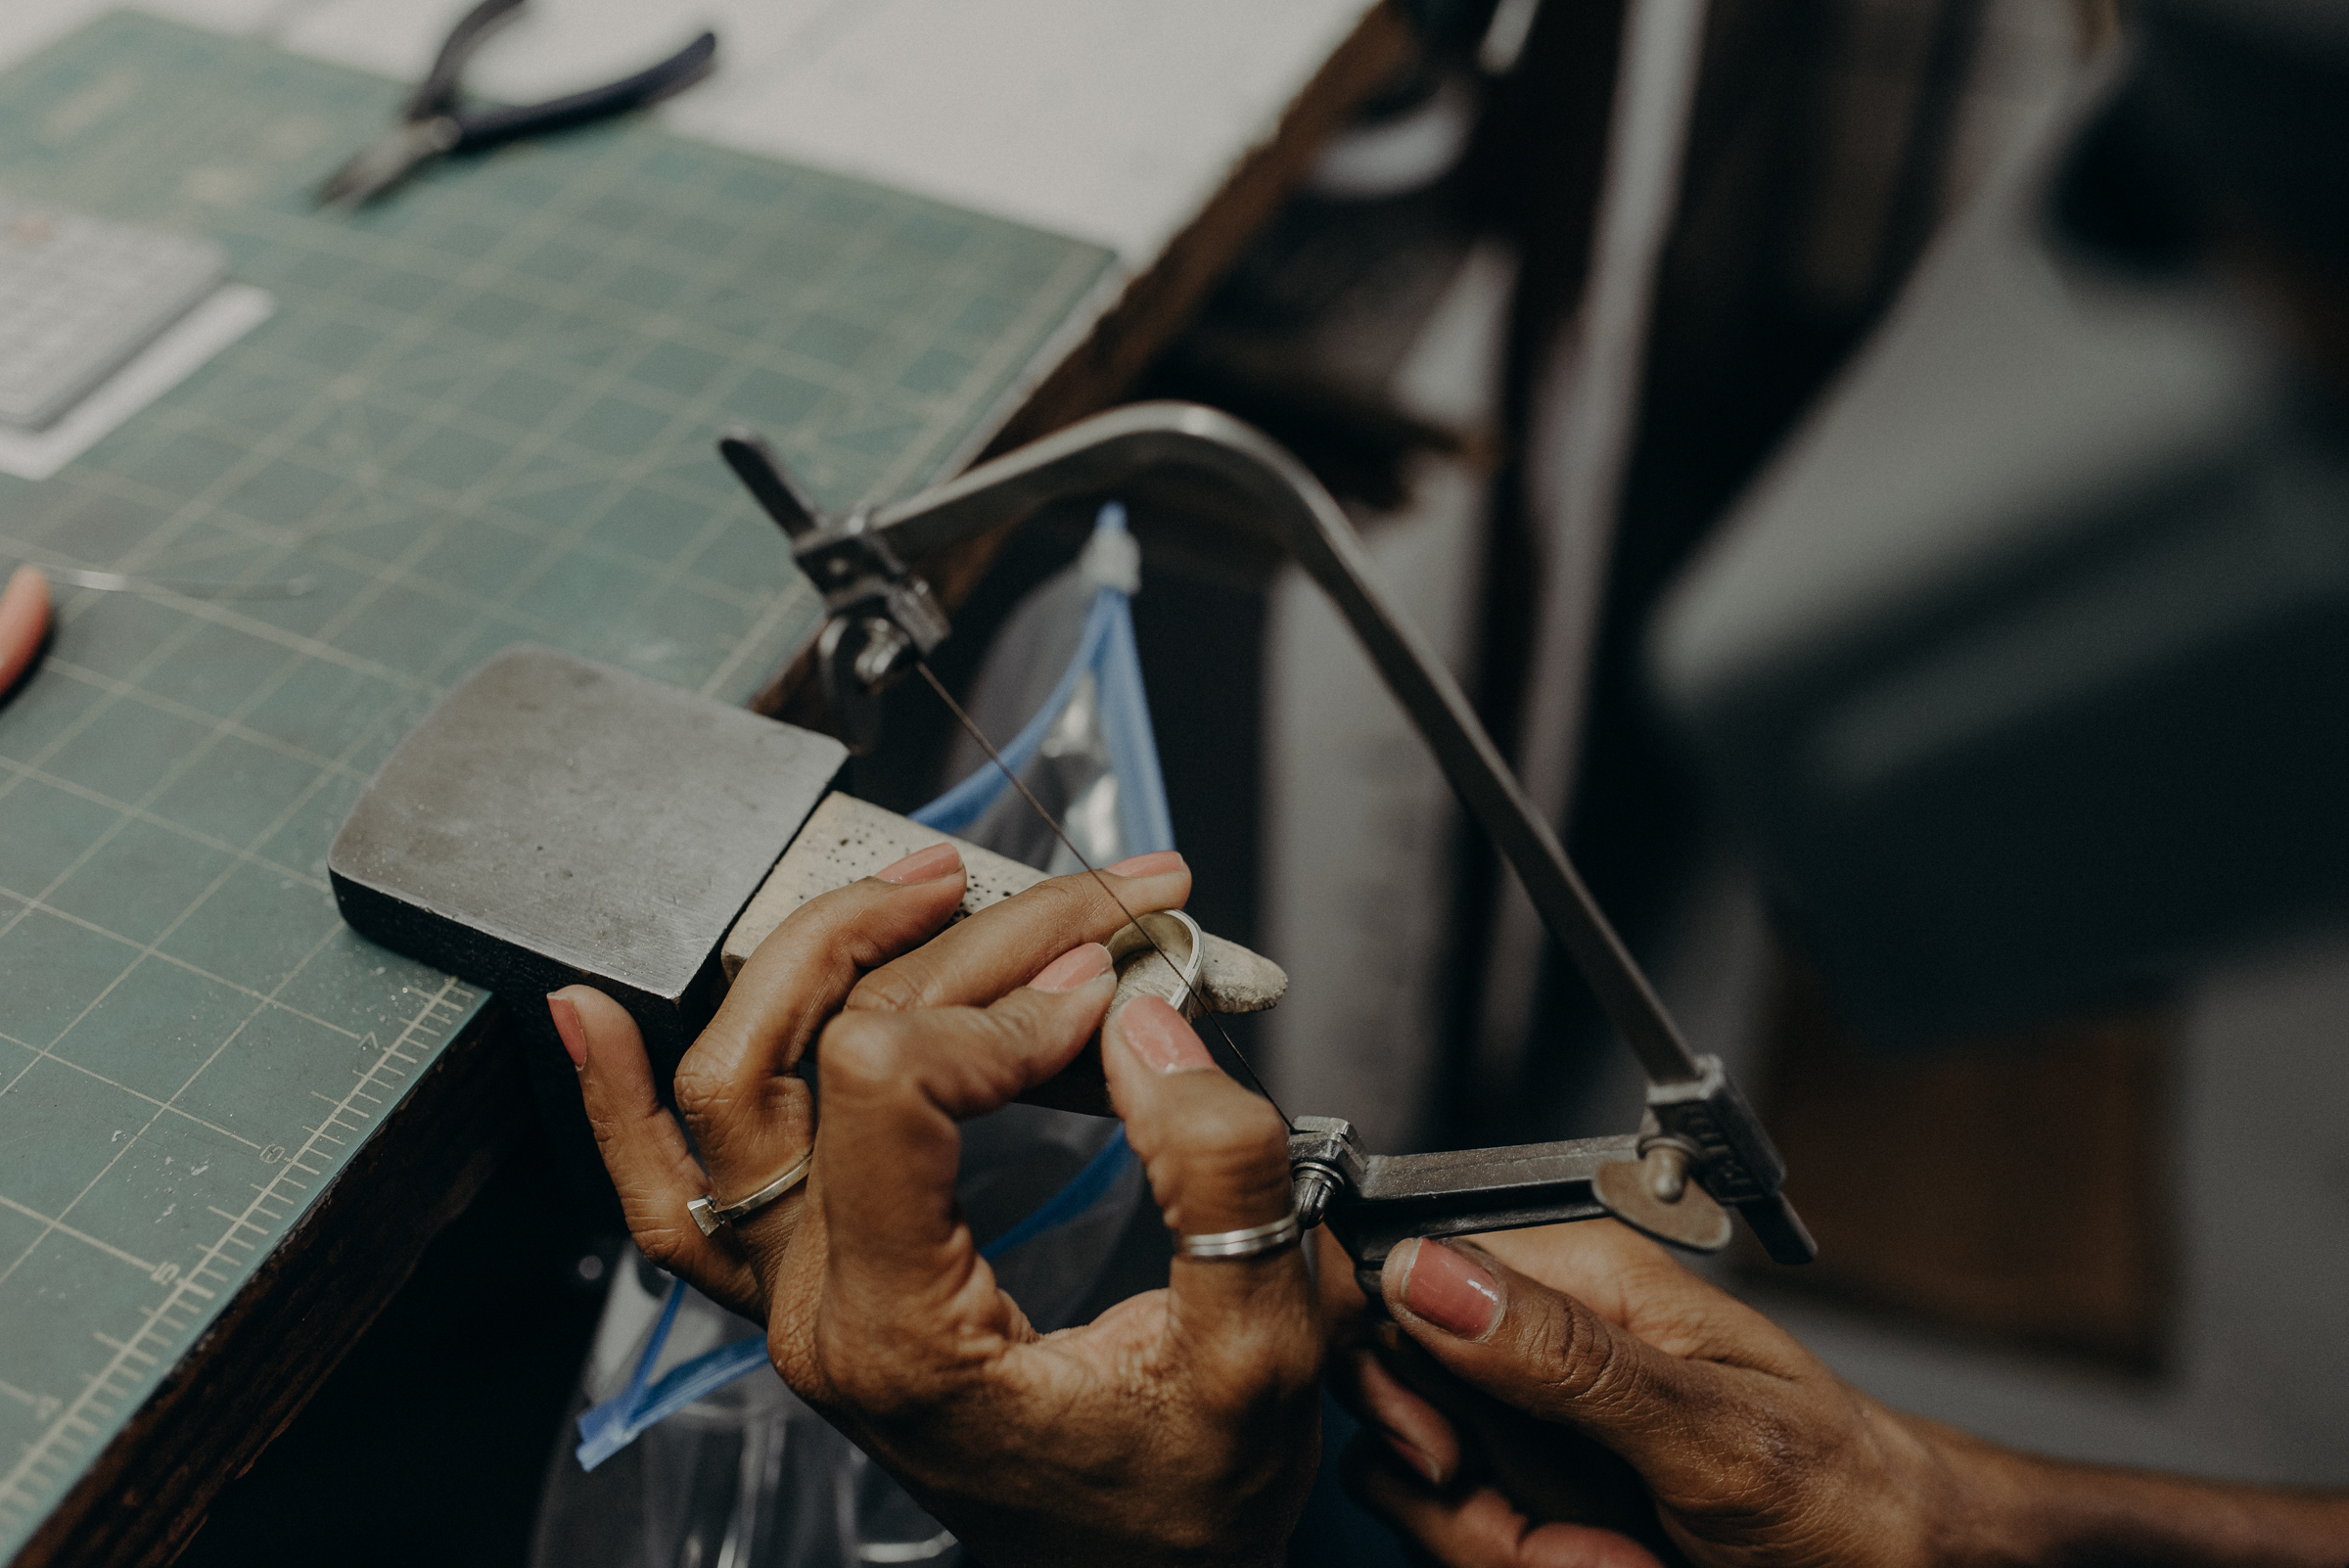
x: 1550, y: 1356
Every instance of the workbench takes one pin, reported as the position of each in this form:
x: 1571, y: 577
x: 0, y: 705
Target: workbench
x: 897, y: 236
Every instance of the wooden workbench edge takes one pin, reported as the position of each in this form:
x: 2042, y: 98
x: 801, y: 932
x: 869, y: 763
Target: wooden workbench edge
x: 1162, y: 299
x: 1095, y: 372
x: 287, y: 1325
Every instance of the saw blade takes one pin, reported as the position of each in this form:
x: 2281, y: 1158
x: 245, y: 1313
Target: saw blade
x: 970, y: 727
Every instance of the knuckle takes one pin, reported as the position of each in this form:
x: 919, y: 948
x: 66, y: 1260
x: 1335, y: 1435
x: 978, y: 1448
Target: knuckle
x: 701, y: 1086
x: 1239, y: 1139
x: 1061, y: 905
x: 899, y: 987
x: 807, y: 945
x: 862, y: 1054
x: 1229, y: 1163
x: 830, y: 920
x: 828, y: 941
x: 754, y: 1104
x: 1576, y: 1359
x: 995, y: 1060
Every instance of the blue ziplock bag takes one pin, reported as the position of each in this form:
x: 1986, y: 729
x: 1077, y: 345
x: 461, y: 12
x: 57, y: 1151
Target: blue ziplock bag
x: 1120, y: 810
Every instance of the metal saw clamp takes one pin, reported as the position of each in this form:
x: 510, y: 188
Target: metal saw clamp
x: 1700, y: 1151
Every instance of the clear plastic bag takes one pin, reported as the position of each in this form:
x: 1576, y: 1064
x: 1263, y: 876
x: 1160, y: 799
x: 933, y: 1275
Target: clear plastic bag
x: 745, y: 1477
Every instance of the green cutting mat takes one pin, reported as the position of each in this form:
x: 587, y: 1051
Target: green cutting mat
x: 483, y: 413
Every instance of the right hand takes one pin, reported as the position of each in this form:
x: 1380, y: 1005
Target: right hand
x: 1571, y: 1397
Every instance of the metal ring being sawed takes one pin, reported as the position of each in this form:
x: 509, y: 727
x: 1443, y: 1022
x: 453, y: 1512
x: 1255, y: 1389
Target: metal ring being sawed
x: 1172, y: 935
x: 711, y: 1215
x: 1253, y: 1242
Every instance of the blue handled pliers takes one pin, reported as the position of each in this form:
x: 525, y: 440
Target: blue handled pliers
x: 431, y: 124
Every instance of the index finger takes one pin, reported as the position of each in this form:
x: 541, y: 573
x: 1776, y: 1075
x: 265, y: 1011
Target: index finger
x: 996, y: 951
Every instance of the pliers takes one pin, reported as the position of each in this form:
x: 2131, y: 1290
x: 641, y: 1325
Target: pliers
x: 431, y: 123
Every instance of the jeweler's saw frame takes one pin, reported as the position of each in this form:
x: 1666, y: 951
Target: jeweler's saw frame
x: 1700, y: 1150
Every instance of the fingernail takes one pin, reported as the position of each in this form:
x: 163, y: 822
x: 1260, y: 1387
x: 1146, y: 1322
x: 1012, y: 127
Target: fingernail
x: 1157, y: 863
x: 575, y: 1034
x: 1156, y: 1033
x: 922, y: 865
x: 1071, y: 969
x: 1415, y: 1459
x: 1451, y: 1290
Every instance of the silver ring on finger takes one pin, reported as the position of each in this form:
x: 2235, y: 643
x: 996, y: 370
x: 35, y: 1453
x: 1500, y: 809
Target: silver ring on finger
x: 711, y: 1215
x: 1253, y: 1242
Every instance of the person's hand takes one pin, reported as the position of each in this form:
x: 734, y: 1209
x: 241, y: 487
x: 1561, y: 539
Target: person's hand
x: 1573, y: 1398
x: 1179, y: 1427
x: 23, y: 623
x: 747, y: 1112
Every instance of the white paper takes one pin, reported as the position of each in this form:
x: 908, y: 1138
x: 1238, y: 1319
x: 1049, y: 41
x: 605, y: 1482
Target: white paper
x: 1112, y: 120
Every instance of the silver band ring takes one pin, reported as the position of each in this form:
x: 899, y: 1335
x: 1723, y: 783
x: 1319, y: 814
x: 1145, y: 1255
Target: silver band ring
x: 1253, y: 1242
x: 711, y: 1215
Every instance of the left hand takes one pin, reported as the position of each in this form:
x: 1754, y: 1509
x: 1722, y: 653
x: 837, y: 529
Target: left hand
x: 1180, y: 1426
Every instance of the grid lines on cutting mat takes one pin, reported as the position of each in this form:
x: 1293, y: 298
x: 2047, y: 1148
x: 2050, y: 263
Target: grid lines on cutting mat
x: 481, y: 413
